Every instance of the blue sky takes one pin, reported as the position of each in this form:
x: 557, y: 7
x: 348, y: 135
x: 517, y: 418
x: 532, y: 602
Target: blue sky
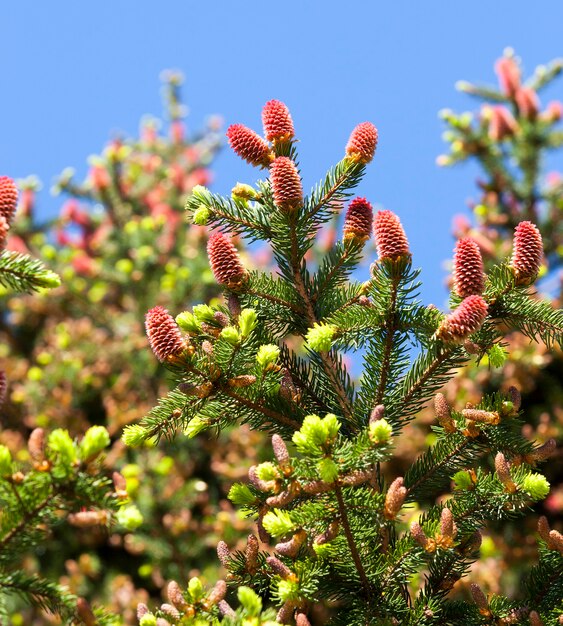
x: 73, y: 72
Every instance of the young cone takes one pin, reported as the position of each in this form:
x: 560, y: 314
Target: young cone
x: 508, y: 74
x: 390, y: 238
x: 249, y: 145
x: 362, y: 143
x: 225, y: 261
x: 527, y: 252
x: 528, y: 103
x: 277, y: 122
x: 469, y: 279
x: 286, y: 184
x: 358, y: 221
x: 465, y: 320
x: 8, y: 198
x: 164, y: 335
x: 501, y: 124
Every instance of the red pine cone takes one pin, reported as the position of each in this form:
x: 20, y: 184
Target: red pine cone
x: 3, y: 387
x: 249, y: 145
x: 390, y: 237
x: 528, y: 102
x: 469, y: 278
x: 465, y: 320
x: 358, y: 221
x: 8, y: 198
x: 225, y: 261
x: 286, y: 184
x: 277, y: 121
x: 527, y: 252
x: 164, y: 335
x: 362, y: 143
x: 509, y: 75
x: 4, y: 228
x: 502, y: 124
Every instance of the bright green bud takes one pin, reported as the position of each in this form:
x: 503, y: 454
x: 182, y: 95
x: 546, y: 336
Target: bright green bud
x: 251, y: 602
x: 195, y: 589
x: 241, y: 495
x: 319, y: 338
x: 267, y: 471
x: 315, y: 433
x: 231, y: 335
x: 536, y: 485
x: 195, y: 426
x: 34, y: 374
x: 164, y: 466
x: 242, y: 192
x: 129, y: 517
x: 148, y: 619
x: 288, y: 590
x: 201, y: 215
x: 462, y: 480
x: 278, y: 523
x: 200, y: 192
x: 134, y: 435
x: 247, y: 321
x: 328, y: 470
x: 267, y: 355
x: 5, y: 461
x: 332, y: 425
x: 497, y: 355
x: 48, y: 279
x: 203, y: 313
x: 94, y: 441
x: 323, y: 550
x: 60, y: 443
x: 147, y: 223
x: 125, y: 266
x: 380, y: 431
x: 187, y: 322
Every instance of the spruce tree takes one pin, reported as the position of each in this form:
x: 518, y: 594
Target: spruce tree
x: 54, y: 480
x: 332, y: 541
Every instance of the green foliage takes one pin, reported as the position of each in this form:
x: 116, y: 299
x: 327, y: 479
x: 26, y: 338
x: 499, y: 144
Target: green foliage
x: 333, y: 515
x: 22, y: 273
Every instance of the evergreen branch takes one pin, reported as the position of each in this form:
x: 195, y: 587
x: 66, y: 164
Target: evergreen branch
x: 442, y: 459
x: 44, y: 594
x: 27, y: 518
x: 274, y: 416
x: 427, y: 374
x: 351, y: 541
x: 22, y: 273
x: 534, y: 318
x: 327, y: 359
x: 345, y: 175
x: 390, y: 329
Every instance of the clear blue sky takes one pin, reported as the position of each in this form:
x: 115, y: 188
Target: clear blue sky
x: 73, y: 72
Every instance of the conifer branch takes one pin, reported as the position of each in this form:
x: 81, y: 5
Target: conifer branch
x: 390, y: 329
x: 351, y: 542
x: 329, y: 365
x: 274, y: 416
